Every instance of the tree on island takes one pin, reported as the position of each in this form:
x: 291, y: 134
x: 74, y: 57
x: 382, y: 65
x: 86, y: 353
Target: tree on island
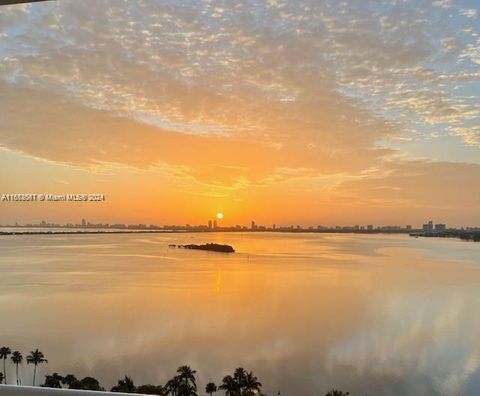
x: 4, y: 352
x: 36, y: 357
x: 211, y: 388
x: 17, y: 358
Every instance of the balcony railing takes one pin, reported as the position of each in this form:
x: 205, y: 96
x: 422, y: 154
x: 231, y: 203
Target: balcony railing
x: 13, y: 390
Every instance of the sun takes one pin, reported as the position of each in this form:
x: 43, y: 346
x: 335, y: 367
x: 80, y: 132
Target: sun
x: 219, y: 215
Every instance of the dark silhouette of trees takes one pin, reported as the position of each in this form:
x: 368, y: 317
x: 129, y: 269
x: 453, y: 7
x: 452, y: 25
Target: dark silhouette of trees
x: 251, y: 384
x: 186, y: 389
x: 172, y: 386
x: 1, y: 377
x: 87, y: 383
x: 71, y: 381
x: 36, y: 357
x: 4, y: 352
x: 335, y: 392
x: 17, y: 358
x: 149, y: 389
x: 183, y: 384
x: 53, y: 381
x: 210, y: 388
x: 230, y: 386
x: 187, y: 376
x: 125, y: 385
x: 90, y: 383
x: 242, y: 383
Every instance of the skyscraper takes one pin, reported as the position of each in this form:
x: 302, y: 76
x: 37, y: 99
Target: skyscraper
x: 428, y: 227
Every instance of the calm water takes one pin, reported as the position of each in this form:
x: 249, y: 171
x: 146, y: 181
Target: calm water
x: 384, y: 315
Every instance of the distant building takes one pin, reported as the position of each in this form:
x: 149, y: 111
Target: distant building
x: 210, y: 224
x: 253, y: 225
x: 274, y: 227
x: 440, y: 227
x: 370, y: 227
x: 428, y: 227
x: 408, y: 227
x: 84, y: 223
x: 215, y: 224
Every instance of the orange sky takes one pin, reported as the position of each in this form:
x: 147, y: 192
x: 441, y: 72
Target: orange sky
x: 277, y: 112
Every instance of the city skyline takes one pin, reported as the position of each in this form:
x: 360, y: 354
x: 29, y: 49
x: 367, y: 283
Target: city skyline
x: 283, y: 112
x: 212, y: 225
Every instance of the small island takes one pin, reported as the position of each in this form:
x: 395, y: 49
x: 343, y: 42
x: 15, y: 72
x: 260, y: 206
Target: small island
x: 211, y: 247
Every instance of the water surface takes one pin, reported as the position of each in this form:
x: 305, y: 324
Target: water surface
x: 383, y: 315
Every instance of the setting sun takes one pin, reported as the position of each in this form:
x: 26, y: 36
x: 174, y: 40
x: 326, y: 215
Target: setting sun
x: 219, y: 216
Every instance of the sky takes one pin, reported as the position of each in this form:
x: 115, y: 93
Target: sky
x: 286, y: 112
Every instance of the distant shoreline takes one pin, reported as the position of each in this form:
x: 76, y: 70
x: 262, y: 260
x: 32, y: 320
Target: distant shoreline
x: 473, y: 236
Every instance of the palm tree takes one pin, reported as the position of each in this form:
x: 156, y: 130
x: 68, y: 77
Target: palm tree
x: 4, y: 352
x: 230, y: 386
x: 240, y: 376
x: 187, y: 375
x: 36, y: 357
x: 251, y: 384
x: 187, y: 389
x: 172, y: 385
x: 211, y: 388
x: 17, y: 359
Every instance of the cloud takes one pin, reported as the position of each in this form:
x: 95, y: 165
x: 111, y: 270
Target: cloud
x: 418, y: 184
x: 469, y: 12
x: 231, y: 96
x: 76, y: 135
